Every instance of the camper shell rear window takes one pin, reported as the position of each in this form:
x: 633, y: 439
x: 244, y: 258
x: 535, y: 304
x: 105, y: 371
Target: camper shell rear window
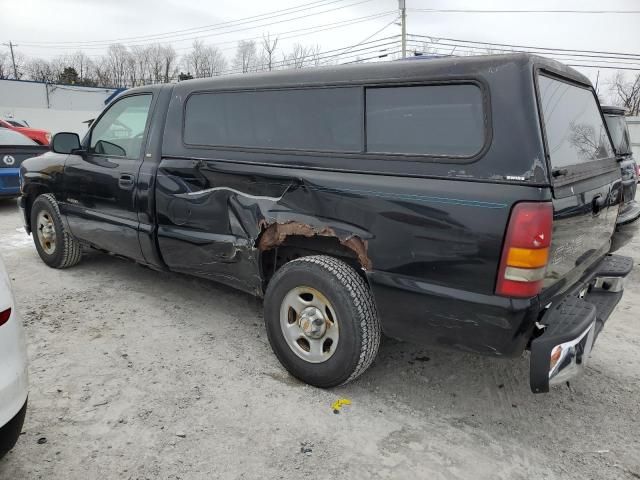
x: 574, y: 128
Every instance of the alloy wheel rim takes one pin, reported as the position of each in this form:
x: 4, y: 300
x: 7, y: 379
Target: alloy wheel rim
x: 309, y: 324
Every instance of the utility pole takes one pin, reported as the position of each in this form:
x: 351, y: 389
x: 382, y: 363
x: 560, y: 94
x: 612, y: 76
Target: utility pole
x: 403, y: 17
x: 13, y: 59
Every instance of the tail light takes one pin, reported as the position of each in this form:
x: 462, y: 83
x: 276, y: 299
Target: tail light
x: 526, y: 250
x: 4, y: 316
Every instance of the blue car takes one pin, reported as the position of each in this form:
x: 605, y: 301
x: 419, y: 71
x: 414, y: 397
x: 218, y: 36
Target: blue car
x: 14, y: 148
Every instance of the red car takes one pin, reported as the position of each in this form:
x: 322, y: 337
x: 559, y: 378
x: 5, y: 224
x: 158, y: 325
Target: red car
x: 41, y: 137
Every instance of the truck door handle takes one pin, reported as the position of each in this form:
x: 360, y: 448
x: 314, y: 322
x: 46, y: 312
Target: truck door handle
x: 126, y: 181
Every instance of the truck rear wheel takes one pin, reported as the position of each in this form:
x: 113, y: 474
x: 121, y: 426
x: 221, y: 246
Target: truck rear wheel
x: 321, y: 321
x: 56, y: 246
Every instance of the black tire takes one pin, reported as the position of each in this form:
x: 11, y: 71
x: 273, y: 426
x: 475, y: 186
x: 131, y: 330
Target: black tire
x: 350, y: 297
x: 10, y: 432
x: 68, y: 250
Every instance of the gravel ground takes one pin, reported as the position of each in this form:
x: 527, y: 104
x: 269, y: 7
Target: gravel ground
x: 137, y: 374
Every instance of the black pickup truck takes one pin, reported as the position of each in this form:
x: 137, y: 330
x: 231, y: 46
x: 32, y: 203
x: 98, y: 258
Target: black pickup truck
x: 461, y: 202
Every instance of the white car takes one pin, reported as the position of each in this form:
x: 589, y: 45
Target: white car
x: 13, y: 367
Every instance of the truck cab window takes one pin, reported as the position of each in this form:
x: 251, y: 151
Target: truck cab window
x: 120, y: 131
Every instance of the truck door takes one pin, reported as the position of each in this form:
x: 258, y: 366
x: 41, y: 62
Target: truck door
x: 100, y: 185
x: 585, y: 178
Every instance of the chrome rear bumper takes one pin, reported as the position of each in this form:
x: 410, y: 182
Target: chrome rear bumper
x: 571, y: 326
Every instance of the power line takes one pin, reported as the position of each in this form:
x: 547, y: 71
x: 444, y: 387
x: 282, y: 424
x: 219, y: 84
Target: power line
x: 541, y: 51
x: 618, y: 66
x: 403, y: 24
x: 602, y: 66
x: 442, y: 10
x: 135, y: 43
x: 328, y: 55
x: 374, y: 34
x: 193, y: 29
x: 296, y: 33
x: 529, y: 47
x: 315, y: 29
x: 349, y: 49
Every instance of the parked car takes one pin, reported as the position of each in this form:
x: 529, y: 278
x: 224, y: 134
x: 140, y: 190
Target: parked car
x: 41, y: 137
x: 627, y: 223
x: 14, y: 148
x: 16, y: 123
x: 13, y: 368
x: 428, y: 200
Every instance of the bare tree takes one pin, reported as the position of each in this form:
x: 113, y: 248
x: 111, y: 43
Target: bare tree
x: 117, y: 64
x: 5, y: 65
x: 40, y: 70
x: 82, y: 64
x: 315, y: 56
x: 298, y: 57
x: 170, y: 60
x: 58, y: 64
x: 246, y: 58
x: 268, y: 51
x: 213, y: 61
x: 627, y: 92
x: 194, y: 60
x: 132, y: 70
x: 204, y: 60
x: 156, y: 63
x: 138, y: 66
x: 101, y: 72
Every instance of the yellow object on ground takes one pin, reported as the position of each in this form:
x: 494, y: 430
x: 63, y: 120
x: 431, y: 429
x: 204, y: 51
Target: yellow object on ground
x: 337, y: 405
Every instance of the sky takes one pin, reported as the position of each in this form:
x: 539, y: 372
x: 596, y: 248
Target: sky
x: 39, y: 27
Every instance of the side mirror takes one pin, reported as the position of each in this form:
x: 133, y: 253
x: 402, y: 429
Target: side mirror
x: 65, y: 142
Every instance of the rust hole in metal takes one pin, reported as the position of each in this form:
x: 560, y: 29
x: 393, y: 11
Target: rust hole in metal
x: 275, y: 234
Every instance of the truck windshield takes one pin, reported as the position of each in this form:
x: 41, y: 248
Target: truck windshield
x: 619, y: 134
x: 573, y: 125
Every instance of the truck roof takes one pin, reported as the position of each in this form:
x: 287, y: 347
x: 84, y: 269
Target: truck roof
x: 428, y: 69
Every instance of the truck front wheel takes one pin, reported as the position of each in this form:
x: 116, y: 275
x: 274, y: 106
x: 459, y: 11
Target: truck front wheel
x: 321, y: 321
x: 56, y: 246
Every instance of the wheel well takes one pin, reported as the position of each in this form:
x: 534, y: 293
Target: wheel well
x: 33, y: 192
x: 296, y: 246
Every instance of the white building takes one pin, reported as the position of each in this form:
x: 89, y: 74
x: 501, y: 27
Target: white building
x: 56, y: 108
